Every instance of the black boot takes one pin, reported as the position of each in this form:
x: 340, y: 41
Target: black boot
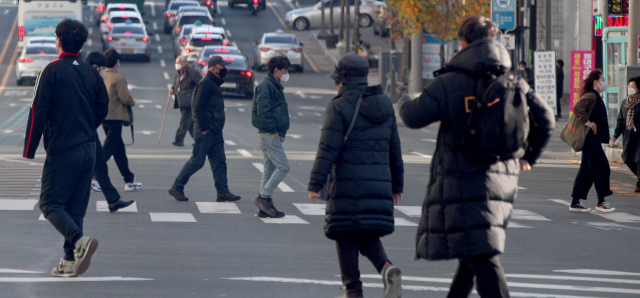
x: 119, y: 205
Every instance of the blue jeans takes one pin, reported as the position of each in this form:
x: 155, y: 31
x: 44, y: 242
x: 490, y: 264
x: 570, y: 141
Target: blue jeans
x: 276, y: 164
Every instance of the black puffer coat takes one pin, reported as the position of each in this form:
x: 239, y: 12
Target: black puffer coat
x: 208, y: 104
x: 368, y: 168
x: 468, y: 205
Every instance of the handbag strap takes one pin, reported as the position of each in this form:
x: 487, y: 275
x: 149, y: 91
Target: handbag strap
x: 353, y: 121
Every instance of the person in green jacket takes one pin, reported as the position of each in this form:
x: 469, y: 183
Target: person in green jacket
x: 270, y: 115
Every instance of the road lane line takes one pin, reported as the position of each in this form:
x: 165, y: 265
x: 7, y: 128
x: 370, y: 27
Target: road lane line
x: 158, y: 107
x: 155, y: 26
x: 159, y: 49
x: 157, y: 36
x: 153, y: 10
x: 166, y: 75
x: 90, y: 30
x: 171, y: 217
x: 162, y: 64
x: 598, y: 272
x: 57, y: 279
x: 244, y: 153
x: 277, y: 15
x: 228, y: 33
x: 421, y: 154
x: 13, y: 271
x: 218, y: 10
x: 222, y: 20
x: 313, y: 65
x: 6, y: 11
x: 4, y: 52
x: 241, y: 109
x: 141, y: 106
x: 230, y: 143
x: 89, y: 42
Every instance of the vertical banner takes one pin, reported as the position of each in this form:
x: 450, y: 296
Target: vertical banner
x: 582, y: 63
x: 545, y: 77
x: 430, y: 56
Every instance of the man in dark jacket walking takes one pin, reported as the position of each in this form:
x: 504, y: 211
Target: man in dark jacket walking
x: 270, y: 115
x: 367, y: 174
x: 468, y: 203
x: 183, y: 84
x: 69, y: 103
x: 208, y: 108
x: 559, y: 86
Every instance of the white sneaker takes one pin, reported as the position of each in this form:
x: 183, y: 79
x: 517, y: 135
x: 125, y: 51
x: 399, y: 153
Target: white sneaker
x: 95, y: 185
x: 132, y: 186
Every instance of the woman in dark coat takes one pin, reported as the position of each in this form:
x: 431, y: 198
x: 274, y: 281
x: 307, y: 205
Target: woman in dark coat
x: 469, y: 203
x: 594, y: 167
x: 628, y: 116
x: 367, y: 175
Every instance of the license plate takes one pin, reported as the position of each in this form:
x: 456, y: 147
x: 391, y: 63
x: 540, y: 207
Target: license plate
x: 127, y: 50
x: 228, y: 85
x: 281, y: 51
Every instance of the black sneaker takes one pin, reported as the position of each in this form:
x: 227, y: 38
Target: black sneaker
x: 261, y: 214
x: 178, y: 195
x: 119, y: 205
x: 178, y: 144
x: 266, y: 206
x: 579, y: 208
x: 604, y: 207
x: 227, y: 197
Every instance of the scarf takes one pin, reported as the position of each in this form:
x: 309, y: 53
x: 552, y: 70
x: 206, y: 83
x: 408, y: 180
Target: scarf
x: 632, y: 101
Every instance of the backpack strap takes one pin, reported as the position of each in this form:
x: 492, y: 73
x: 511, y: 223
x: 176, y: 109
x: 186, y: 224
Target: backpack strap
x: 353, y: 121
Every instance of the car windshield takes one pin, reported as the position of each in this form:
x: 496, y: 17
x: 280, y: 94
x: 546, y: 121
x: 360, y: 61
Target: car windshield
x: 280, y: 39
x: 41, y: 50
x: 193, y: 19
x: 218, y: 51
x: 42, y: 41
x: 125, y: 29
x: 121, y: 20
x: 186, y: 31
x: 197, y: 42
x: 175, y: 6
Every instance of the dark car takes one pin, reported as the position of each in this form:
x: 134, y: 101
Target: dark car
x: 233, y: 3
x: 212, y: 5
x: 239, y: 80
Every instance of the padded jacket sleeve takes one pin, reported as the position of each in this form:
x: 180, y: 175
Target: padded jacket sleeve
x: 542, y: 125
x: 395, y: 160
x: 424, y: 110
x: 331, y: 139
x: 39, y: 113
x: 201, y: 106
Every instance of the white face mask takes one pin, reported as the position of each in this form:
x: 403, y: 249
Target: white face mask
x: 631, y: 91
x: 284, y: 78
x: 103, y: 72
x: 602, y: 85
x: 178, y: 66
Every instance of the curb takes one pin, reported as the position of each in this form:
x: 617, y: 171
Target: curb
x: 323, y: 45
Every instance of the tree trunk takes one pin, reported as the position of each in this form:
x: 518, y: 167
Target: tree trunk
x: 356, y: 27
x: 341, y: 29
x: 441, y: 52
x: 348, y: 25
x: 323, y: 32
x: 333, y: 32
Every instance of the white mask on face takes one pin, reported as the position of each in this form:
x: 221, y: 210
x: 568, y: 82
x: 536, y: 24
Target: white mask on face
x: 284, y: 78
x: 602, y: 85
x: 103, y: 72
x: 631, y: 91
x: 178, y: 66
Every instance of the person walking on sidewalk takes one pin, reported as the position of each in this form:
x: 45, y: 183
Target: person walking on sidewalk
x: 360, y: 146
x: 183, y: 84
x: 101, y: 181
x: 594, y: 167
x: 119, y: 100
x: 559, y: 86
x: 270, y: 115
x: 69, y: 103
x: 208, y: 109
x: 628, y: 116
x: 469, y: 199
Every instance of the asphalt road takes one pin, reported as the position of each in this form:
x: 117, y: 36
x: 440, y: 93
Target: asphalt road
x: 165, y: 248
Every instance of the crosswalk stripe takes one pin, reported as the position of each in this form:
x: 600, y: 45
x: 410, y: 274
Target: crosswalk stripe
x: 401, y: 222
x: 519, y: 214
x: 103, y: 206
x: 171, y: 217
x: 217, y: 207
x: 598, y: 272
x: 22, y: 205
x: 230, y: 143
x: 618, y: 216
x: 513, y: 224
x: 244, y: 153
x: 287, y: 219
x: 311, y: 209
x: 578, y: 278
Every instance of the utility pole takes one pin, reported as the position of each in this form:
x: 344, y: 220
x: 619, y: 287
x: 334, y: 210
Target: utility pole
x: 341, y: 28
x: 356, y: 27
x: 547, y: 18
x: 632, y: 48
x: 392, y: 71
x: 415, y: 82
x: 347, y: 37
x: 605, y: 13
x: 323, y: 33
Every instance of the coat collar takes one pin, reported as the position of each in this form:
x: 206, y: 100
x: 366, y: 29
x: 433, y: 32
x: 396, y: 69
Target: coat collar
x: 69, y: 55
x: 112, y: 70
x: 349, y: 87
x: 273, y: 80
x: 216, y: 79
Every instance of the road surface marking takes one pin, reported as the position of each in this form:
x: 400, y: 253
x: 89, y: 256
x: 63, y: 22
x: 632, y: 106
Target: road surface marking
x: 169, y: 86
x: 8, y: 131
x: 172, y: 217
x: 218, y: 10
x: 153, y: 9
x: 513, y: 224
x: 519, y: 214
x: 6, y: 11
x: 89, y: 42
x: 563, y: 202
x: 579, y: 278
x: 301, y: 94
x: 420, y: 154
x: 277, y: 15
x: 90, y: 30
x: 23, y: 205
x: 75, y: 279
x: 166, y: 75
x: 4, y: 52
x: 228, y: 33
x: 244, y: 153
x: 598, y: 272
x: 411, y: 211
x: 429, y: 140
x: 401, y: 222
x: 159, y: 47
x: 222, y: 20
x: 231, y: 143
x: 12, y: 104
x: 300, y: 114
x: 158, y: 107
x: 312, y: 108
x: 157, y: 36
x: 311, y: 209
x: 287, y: 219
x: 19, y: 271
x: 41, y: 217
x: 296, y: 136
x: 241, y: 109
x: 146, y: 132
x: 216, y: 207
x: 162, y: 64
x: 141, y: 106
x: 103, y: 206
x: 155, y: 25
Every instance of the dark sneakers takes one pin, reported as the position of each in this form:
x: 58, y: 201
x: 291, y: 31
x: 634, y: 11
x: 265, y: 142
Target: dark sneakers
x: 261, y: 214
x: 178, y: 195
x: 266, y: 207
x: 178, y: 144
x: 119, y: 205
x: 227, y: 197
x: 579, y: 208
x: 392, y: 281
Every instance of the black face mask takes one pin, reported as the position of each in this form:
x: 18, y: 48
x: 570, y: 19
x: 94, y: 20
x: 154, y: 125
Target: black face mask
x: 222, y: 73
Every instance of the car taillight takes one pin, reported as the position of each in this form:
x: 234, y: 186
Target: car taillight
x: 110, y: 38
x: 208, y: 3
x: 206, y: 71
x: 206, y: 38
x: 226, y: 43
x: 203, y: 63
x: 229, y: 58
x: 20, y: 32
x: 221, y: 50
x: 100, y: 8
x: 265, y: 49
x: 297, y: 50
x: 104, y: 19
x: 255, y: 1
x: 246, y: 73
x: 187, y: 50
x: 109, y: 26
x: 183, y: 39
x: 168, y: 15
x: 26, y: 60
x: 178, y: 30
x: 125, y: 17
x: 145, y: 39
x: 127, y: 33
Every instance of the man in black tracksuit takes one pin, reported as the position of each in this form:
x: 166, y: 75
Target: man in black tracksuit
x: 208, y: 110
x: 69, y: 103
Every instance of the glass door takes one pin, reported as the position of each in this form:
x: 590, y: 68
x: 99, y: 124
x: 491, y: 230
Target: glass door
x: 615, y: 50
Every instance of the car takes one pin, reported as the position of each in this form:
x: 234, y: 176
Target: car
x: 211, y: 5
x: 129, y: 39
x: 119, y: 17
x: 196, y: 43
x: 98, y: 11
x: 172, y: 11
x: 239, y: 80
x: 181, y: 40
x: 192, y: 9
x: 204, y: 18
x: 278, y: 43
x: 308, y: 17
x: 33, y: 57
x: 210, y: 29
x: 115, y: 7
x: 208, y: 51
x: 41, y: 40
x: 233, y: 3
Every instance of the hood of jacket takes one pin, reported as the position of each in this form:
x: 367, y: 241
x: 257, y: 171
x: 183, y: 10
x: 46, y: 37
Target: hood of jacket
x: 480, y: 57
x: 376, y: 107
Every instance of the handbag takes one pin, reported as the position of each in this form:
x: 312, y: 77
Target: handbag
x: 324, y: 191
x: 184, y: 99
x: 575, y: 133
x: 129, y: 123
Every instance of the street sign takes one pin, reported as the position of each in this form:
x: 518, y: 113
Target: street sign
x: 508, y: 40
x: 503, y: 13
x: 582, y: 63
x: 545, y: 77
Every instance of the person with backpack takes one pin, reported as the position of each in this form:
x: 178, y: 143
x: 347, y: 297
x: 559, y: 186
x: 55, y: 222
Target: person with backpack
x: 484, y: 130
x: 594, y: 167
x: 360, y: 146
x: 628, y: 116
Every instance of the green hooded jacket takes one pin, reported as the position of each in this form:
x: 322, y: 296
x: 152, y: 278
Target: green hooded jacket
x: 270, y: 112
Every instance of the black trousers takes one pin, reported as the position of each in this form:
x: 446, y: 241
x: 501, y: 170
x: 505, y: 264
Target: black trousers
x: 210, y: 145
x: 594, y: 170
x: 490, y: 279
x: 114, y: 146
x: 186, y: 124
x: 635, y: 168
x: 66, y: 183
x: 558, y: 97
x: 101, y: 173
x: 349, y: 245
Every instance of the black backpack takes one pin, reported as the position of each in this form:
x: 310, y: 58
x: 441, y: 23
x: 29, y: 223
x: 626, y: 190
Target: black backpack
x: 498, y: 124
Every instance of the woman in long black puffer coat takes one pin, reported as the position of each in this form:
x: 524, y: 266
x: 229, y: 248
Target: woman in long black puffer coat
x: 628, y: 116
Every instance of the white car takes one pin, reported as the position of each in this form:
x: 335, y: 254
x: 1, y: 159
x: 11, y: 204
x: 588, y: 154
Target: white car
x: 279, y: 43
x: 116, y: 7
x: 209, y: 29
x: 33, y: 57
x: 172, y: 11
x: 196, y: 44
x: 119, y: 17
x: 181, y: 40
x: 191, y: 17
x: 308, y: 17
x: 41, y: 40
x: 129, y: 39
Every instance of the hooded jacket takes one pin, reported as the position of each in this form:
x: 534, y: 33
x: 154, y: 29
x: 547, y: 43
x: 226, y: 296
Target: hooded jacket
x: 367, y: 169
x: 468, y: 205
